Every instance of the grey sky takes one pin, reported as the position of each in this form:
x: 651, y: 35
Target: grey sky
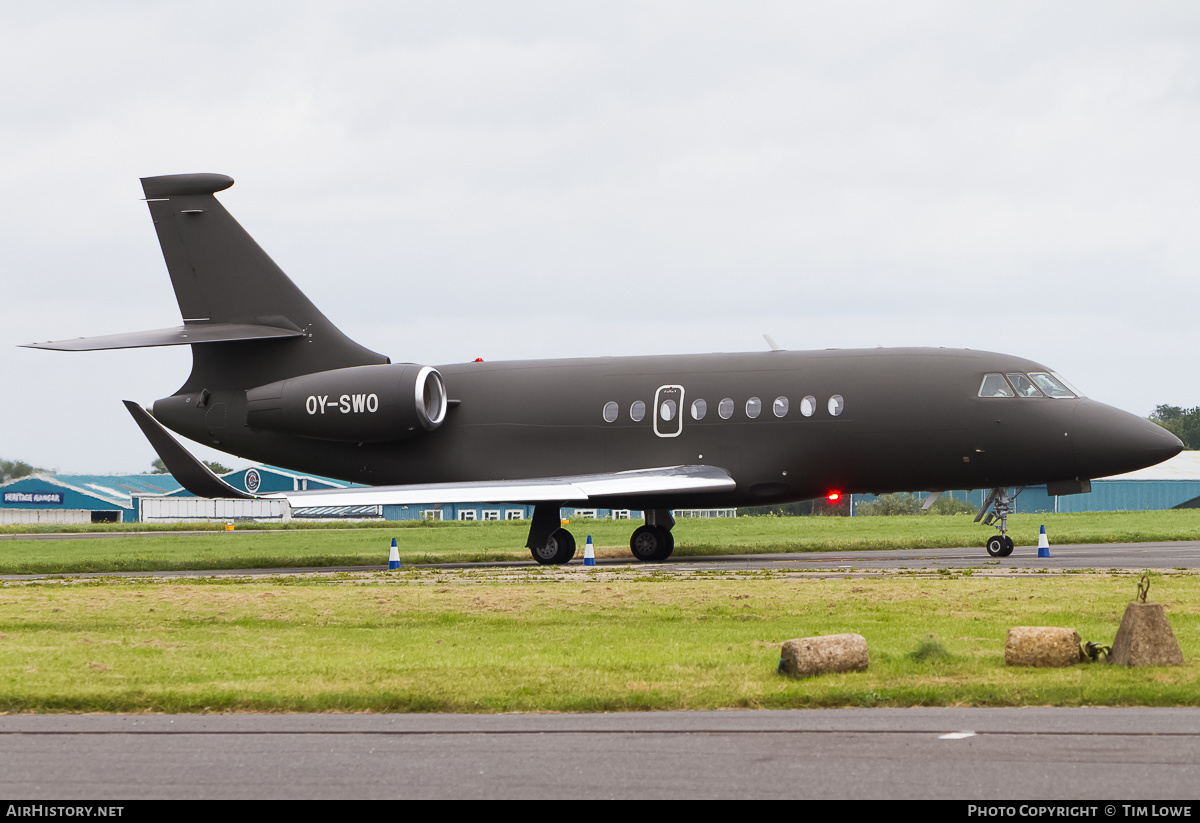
x: 518, y: 179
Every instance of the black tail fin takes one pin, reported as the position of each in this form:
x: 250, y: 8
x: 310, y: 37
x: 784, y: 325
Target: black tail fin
x: 222, y: 278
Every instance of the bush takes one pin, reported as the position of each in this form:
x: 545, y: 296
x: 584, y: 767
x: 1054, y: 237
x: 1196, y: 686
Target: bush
x: 930, y: 651
x: 890, y: 504
x: 902, y: 503
x: 952, y: 505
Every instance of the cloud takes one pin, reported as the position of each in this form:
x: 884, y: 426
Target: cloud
x: 540, y: 179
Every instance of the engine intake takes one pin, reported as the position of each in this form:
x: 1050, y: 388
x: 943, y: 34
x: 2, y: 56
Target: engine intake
x: 363, y: 404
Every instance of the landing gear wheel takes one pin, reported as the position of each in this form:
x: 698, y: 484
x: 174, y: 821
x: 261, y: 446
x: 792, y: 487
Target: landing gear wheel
x: 1000, y: 545
x: 652, y: 544
x: 670, y: 544
x: 558, y: 551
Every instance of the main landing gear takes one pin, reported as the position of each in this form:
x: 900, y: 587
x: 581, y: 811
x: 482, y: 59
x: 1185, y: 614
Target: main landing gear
x: 1000, y: 545
x: 549, y: 543
x: 653, y: 542
x: 558, y: 549
x: 552, y: 545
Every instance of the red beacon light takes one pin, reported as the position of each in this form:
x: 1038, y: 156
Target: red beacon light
x: 834, y: 496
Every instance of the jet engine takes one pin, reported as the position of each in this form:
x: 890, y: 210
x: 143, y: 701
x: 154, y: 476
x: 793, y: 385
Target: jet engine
x: 363, y: 404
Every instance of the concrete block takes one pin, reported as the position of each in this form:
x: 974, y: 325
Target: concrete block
x: 1145, y: 638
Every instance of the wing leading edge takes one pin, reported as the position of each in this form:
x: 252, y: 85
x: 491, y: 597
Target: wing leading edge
x: 178, y: 336
x: 567, y: 489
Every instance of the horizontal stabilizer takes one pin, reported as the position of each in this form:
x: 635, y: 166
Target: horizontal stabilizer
x: 179, y: 185
x: 190, y: 472
x: 569, y: 489
x: 178, y: 336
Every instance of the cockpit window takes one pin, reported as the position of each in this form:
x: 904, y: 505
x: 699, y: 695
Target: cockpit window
x: 1023, y: 385
x: 1072, y: 389
x: 994, y: 385
x: 1050, y: 384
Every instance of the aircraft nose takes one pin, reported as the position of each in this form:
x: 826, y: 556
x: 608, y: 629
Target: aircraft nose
x: 1108, y: 441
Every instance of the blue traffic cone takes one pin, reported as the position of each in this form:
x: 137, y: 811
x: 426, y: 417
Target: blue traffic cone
x: 394, y: 557
x: 1043, y: 544
x: 589, y: 556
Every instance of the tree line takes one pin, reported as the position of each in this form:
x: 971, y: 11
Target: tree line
x: 1183, y: 423
x: 16, y: 469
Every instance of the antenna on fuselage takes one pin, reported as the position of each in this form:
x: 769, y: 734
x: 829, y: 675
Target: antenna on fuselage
x: 771, y: 343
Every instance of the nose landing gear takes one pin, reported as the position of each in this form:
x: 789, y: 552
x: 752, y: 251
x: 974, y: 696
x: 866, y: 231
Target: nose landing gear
x: 1000, y: 545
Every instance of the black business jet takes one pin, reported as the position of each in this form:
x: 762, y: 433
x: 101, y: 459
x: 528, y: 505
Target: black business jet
x: 274, y: 381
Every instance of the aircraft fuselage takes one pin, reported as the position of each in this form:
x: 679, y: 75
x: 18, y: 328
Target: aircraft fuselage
x: 907, y: 419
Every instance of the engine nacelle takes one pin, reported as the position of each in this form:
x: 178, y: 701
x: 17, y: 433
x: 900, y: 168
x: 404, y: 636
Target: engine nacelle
x: 362, y: 404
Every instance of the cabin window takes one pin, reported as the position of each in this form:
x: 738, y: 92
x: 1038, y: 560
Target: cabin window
x: 611, y: 409
x: 780, y: 407
x: 1023, y: 385
x: 836, y: 405
x: 666, y: 412
x: 808, y: 405
x: 699, y: 409
x: 994, y: 385
x: 1050, y: 385
x: 753, y: 407
x: 725, y: 408
x: 637, y: 411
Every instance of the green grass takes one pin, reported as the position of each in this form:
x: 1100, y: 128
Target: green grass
x: 562, y: 640
x: 421, y: 542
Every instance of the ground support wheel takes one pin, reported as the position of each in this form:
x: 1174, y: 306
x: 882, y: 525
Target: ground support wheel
x: 558, y: 551
x: 652, y: 544
x: 996, y: 547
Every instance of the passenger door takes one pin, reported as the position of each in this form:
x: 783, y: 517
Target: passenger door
x: 668, y: 411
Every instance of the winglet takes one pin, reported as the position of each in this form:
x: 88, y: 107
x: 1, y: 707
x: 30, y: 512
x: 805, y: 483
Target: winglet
x: 190, y: 472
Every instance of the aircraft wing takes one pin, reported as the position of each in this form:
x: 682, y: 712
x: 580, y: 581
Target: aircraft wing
x: 196, y: 478
x: 567, y: 489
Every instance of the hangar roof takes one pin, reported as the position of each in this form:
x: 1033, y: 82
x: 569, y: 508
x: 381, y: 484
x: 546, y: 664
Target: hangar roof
x: 1183, y: 466
x: 114, y: 489
x: 273, y: 479
x: 123, y: 485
